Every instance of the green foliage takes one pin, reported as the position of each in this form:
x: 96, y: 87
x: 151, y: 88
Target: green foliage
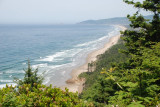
x: 100, y: 91
x: 30, y: 92
x: 42, y: 96
x: 140, y: 83
x: 148, y: 5
x: 30, y: 77
x: 139, y: 76
x: 136, y: 104
x: 136, y: 81
x: 124, y: 80
x: 146, y: 32
x: 111, y: 57
x: 97, y: 88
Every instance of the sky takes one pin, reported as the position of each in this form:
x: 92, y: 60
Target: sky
x: 61, y: 11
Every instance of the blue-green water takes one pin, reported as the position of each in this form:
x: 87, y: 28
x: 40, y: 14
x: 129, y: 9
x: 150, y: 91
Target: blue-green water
x: 55, y: 49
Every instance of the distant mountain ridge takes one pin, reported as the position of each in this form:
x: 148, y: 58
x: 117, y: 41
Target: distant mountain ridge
x: 116, y: 20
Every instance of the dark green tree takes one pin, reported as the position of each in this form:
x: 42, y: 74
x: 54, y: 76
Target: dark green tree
x: 140, y: 77
x: 146, y: 32
x: 30, y: 77
x: 139, y: 84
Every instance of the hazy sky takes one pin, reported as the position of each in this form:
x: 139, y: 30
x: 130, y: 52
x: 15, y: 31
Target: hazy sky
x: 60, y: 11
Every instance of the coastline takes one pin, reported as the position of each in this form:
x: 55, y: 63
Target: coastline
x: 75, y: 84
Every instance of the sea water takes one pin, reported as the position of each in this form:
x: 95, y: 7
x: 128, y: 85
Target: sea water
x: 54, y: 49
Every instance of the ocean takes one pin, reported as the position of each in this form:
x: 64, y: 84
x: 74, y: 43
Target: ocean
x: 54, y: 49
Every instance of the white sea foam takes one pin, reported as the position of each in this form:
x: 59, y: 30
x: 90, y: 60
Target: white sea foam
x: 51, y: 58
x: 6, y: 81
x: 63, y: 73
x: 39, y: 65
x: 57, y: 67
x: 74, y: 54
x: 14, y: 71
x: 23, y: 63
x: 91, y: 43
x: 47, y: 79
x: 48, y: 58
x: 58, y: 56
x: 94, y: 42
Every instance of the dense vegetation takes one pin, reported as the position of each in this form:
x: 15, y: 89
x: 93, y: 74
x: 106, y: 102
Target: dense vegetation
x: 40, y: 96
x: 93, y: 79
x: 127, y: 79
x: 136, y: 81
x: 30, y: 92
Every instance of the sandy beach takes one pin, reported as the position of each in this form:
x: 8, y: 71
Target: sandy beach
x: 75, y: 84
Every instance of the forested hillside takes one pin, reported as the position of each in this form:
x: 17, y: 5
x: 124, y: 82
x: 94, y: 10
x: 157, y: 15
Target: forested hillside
x: 112, y: 21
x: 130, y: 78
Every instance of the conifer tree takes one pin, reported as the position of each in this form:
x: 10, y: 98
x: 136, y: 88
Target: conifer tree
x: 139, y: 77
x: 30, y: 77
x: 146, y: 32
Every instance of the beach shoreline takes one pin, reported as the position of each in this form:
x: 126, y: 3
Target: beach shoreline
x: 75, y: 84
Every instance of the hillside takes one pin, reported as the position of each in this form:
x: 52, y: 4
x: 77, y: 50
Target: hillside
x: 116, y: 20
